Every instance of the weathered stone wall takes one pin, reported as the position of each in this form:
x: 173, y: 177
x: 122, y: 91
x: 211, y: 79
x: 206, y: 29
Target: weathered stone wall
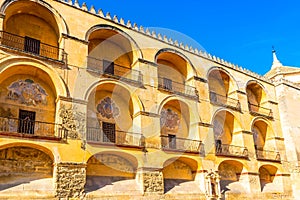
x: 152, y: 182
x: 70, y: 179
x: 24, y: 160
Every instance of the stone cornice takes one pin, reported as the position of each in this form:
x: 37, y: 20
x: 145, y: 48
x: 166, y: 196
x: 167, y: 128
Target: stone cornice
x: 149, y: 114
x: 70, y: 99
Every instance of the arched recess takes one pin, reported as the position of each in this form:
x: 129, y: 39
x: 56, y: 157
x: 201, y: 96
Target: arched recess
x: 25, y: 166
x: 230, y: 172
x: 36, y: 25
x: 225, y: 127
x: 222, y: 87
x: 111, y: 171
x: 113, y: 52
x: 179, y: 174
x: 28, y: 100
x: 174, y: 124
x: 258, y: 99
x: 269, y: 179
x: 110, y: 115
x: 175, y: 73
x: 265, y: 147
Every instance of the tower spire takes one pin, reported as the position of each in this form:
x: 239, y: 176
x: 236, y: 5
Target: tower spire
x: 276, y: 62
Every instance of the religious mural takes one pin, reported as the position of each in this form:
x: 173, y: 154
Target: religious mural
x: 108, y: 109
x: 169, y: 119
x: 27, y: 92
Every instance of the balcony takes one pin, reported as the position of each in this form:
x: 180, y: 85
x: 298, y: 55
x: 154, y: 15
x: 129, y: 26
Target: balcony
x: 257, y: 110
x: 31, y: 46
x: 177, y: 88
x: 31, y: 129
x: 113, y: 70
x: 231, y: 151
x: 265, y: 155
x: 181, y: 144
x: 115, y: 137
x: 224, y: 101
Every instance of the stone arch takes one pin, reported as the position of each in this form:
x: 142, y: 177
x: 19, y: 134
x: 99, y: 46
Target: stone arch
x: 258, y: 99
x: 61, y: 23
x: 175, y: 52
x: 224, y: 80
x: 23, y: 166
x: 230, y: 172
x: 225, y: 124
x: 59, y: 84
x: 137, y: 103
x: 269, y: 179
x: 111, y: 106
x: 109, y: 170
x: 112, y: 35
x: 174, y: 122
x: 262, y: 129
x: 30, y: 90
x: 180, y: 172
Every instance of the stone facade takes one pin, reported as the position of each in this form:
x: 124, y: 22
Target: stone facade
x: 99, y: 108
x: 70, y: 179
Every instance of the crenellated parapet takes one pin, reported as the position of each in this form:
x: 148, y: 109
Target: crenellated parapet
x: 162, y: 38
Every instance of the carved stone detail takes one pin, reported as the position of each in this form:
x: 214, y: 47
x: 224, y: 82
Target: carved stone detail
x: 73, y: 121
x: 108, y: 108
x: 27, y: 92
x: 70, y: 179
x: 152, y: 181
x: 169, y: 119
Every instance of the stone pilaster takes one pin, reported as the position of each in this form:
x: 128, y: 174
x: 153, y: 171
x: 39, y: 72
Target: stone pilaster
x: 70, y: 179
x: 251, y: 182
x: 150, y: 180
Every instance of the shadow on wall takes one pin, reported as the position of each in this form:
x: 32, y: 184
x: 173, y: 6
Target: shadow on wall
x: 25, y: 168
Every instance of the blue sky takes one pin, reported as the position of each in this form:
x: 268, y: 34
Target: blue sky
x: 242, y: 32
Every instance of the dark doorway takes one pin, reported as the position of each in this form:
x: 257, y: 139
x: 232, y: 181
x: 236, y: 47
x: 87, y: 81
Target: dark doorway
x: 32, y: 45
x: 172, y: 141
x: 108, y: 67
x: 26, y: 121
x: 109, y: 132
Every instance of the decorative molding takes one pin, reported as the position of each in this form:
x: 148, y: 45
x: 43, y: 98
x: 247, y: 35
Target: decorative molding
x: 147, y: 62
x: 150, y: 169
x: 283, y: 175
x: 241, y: 92
x: 205, y: 124
x: 75, y: 38
x: 273, y: 102
x: 247, y: 132
x: 70, y: 99
x: 149, y: 114
x: 249, y: 173
x: 197, y: 78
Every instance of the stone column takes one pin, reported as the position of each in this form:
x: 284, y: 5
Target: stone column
x: 151, y: 180
x: 250, y: 181
x: 69, y: 179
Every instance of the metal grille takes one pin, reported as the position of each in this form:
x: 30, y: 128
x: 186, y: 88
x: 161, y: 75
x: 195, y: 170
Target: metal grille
x: 32, y: 45
x: 26, y: 122
x: 109, y: 132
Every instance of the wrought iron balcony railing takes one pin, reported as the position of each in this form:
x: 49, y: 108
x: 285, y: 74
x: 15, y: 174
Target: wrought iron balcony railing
x: 177, y: 88
x: 31, y: 45
x: 31, y: 129
x: 224, y: 101
x: 260, y: 111
x: 120, y: 138
x: 231, y: 151
x: 267, y: 155
x: 181, y: 144
x: 114, y: 70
